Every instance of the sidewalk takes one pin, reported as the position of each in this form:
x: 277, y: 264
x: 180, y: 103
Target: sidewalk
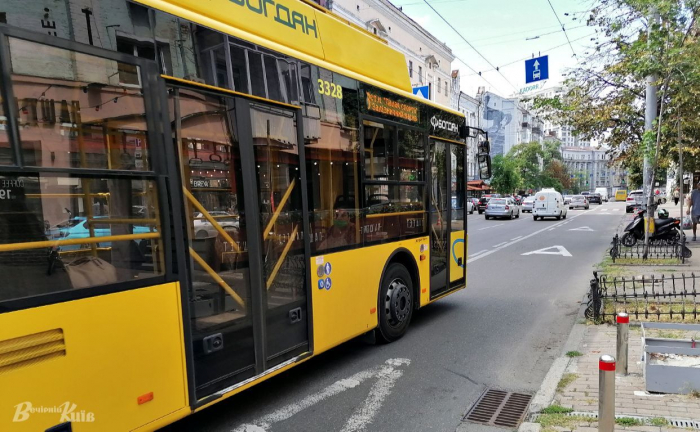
x: 572, y: 382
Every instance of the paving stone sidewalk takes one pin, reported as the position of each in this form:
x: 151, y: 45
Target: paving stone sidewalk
x: 631, y: 398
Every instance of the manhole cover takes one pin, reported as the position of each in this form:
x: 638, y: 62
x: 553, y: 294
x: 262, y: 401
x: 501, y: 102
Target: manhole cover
x: 499, y: 408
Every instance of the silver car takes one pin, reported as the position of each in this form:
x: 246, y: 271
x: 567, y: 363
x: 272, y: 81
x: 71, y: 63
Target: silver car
x: 502, y: 207
x: 578, y: 201
x: 528, y: 204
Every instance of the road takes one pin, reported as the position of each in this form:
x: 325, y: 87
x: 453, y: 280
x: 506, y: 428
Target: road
x: 503, y: 331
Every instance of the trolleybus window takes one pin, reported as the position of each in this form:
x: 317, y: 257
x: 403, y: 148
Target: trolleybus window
x: 5, y: 150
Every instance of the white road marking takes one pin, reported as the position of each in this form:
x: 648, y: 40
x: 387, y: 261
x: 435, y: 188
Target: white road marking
x: 516, y: 238
x: 477, y: 253
x: 364, y: 414
x: 561, y: 250
x: 470, y: 260
x: 500, y: 244
x: 492, y: 226
x: 552, y: 229
x: 583, y: 228
x: 387, y: 375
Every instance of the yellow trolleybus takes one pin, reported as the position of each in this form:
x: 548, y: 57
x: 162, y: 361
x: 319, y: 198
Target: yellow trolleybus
x: 198, y: 195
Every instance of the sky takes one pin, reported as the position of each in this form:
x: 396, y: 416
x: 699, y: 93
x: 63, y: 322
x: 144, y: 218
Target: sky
x: 499, y: 30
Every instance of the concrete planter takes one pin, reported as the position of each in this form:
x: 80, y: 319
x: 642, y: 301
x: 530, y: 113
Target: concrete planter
x: 671, y: 365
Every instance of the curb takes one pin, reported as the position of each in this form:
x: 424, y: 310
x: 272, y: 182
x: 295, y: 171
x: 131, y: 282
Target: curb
x: 544, y: 396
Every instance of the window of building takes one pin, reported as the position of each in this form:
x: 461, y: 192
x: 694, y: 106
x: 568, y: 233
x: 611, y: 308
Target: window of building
x: 410, y: 69
x: 445, y: 88
x: 420, y: 74
x: 158, y: 51
x: 438, y: 86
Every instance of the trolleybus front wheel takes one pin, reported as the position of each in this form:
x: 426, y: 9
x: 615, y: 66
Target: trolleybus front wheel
x: 395, y: 304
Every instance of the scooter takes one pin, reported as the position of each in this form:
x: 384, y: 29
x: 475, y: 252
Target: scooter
x: 665, y: 229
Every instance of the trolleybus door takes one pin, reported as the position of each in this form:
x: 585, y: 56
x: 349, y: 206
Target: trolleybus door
x: 241, y: 181
x: 439, y: 218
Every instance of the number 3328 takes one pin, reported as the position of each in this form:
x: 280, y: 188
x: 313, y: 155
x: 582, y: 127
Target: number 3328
x: 330, y: 89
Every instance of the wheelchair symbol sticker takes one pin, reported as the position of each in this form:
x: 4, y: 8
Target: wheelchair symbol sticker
x: 327, y: 283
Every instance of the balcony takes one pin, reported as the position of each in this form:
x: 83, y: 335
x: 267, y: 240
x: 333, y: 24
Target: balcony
x: 526, y: 124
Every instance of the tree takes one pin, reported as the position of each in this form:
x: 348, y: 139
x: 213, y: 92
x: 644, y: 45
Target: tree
x: 527, y: 158
x: 505, y: 178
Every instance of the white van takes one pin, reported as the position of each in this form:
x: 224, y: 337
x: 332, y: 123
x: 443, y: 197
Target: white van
x: 549, y: 203
x: 603, y: 193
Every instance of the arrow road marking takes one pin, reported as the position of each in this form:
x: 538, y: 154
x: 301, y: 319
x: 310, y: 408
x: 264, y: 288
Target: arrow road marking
x: 386, y: 374
x: 561, y: 250
x: 583, y: 228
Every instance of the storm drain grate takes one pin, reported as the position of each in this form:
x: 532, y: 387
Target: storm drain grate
x: 499, y: 408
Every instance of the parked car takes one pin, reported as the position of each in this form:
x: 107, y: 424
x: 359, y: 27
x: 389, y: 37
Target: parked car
x: 595, y: 198
x: 549, y: 203
x: 635, y: 199
x: 78, y: 228
x: 578, y: 201
x: 502, y: 207
x: 483, y: 201
x: 204, y: 229
x: 528, y: 204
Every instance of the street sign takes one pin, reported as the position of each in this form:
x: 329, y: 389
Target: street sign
x: 423, y: 92
x: 536, y: 69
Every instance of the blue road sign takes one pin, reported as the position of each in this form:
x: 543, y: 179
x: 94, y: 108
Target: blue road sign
x: 536, y: 69
x: 423, y: 92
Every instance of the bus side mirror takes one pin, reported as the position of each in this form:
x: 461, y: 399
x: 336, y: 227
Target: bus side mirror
x: 484, y: 161
x: 484, y: 147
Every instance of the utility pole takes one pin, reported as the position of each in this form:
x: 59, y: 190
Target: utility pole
x: 680, y: 178
x: 651, y: 109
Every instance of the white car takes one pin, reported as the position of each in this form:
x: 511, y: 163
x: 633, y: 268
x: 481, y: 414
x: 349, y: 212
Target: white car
x: 470, y: 206
x: 549, y: 203
x: 204, y: 229
x: 528, y: 204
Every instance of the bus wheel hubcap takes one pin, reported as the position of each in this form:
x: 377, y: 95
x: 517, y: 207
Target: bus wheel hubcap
x: 398, y: 302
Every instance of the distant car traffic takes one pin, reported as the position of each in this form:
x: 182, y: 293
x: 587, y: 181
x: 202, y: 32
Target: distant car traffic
x: 635, y: 199
x: 503, y: 208
x: 578, y: 201
x: 528, y: 204
x: 567, y: 199
x: 595, y: 198
x: 470, y: 206
x: 483, y: 202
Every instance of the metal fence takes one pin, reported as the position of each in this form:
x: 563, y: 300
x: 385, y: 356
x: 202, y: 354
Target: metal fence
x: 664, y: 297
x: 658, y: 249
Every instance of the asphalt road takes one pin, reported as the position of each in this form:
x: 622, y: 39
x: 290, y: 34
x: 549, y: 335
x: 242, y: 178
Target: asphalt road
x: 503, y: 331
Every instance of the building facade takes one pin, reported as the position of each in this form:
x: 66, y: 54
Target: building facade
x: 470, y: 107
x: 428, y: 60
x: 564, y: 133
x: 508, y: 122
x: 591, y: 167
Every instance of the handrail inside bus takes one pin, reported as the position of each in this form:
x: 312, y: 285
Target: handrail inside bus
x: 211, y: 219
x: 278, y: 264
x: 116, y: 221
x: 11, y: 247
x: 277, y: 212
x: 376, y: 215
x: 222, y: 283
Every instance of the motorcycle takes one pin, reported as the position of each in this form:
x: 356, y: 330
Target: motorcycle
x: 667, y: 229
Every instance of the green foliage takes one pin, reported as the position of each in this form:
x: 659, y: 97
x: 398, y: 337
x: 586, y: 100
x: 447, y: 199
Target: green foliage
x: 628, y: 421
x: 573, y: 354
x: 658, y: 421
x: 505, y: 177
x: 605, y: 97
x: 565, y: 380
x: 556, y: 409
x: 540, y: 165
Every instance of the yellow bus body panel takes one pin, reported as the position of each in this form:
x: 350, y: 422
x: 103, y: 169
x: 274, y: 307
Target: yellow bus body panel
x: 621, y: 195
x: 456, y: 252
x: 349, y: 308
x: 117, y: 347
x: 286, y: 26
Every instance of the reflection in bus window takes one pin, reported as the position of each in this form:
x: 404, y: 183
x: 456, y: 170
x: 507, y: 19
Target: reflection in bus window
x: 5, y: 150
x: 333, y: 167
x: 79, y: 211
x: 73, y: 111
x: 457, y: 186
x: 411, y: 155
x: 379, y: 151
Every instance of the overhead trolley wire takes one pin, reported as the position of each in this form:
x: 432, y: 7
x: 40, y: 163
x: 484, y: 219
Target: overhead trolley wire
x: 563, y: 29
x: 468, y: 43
